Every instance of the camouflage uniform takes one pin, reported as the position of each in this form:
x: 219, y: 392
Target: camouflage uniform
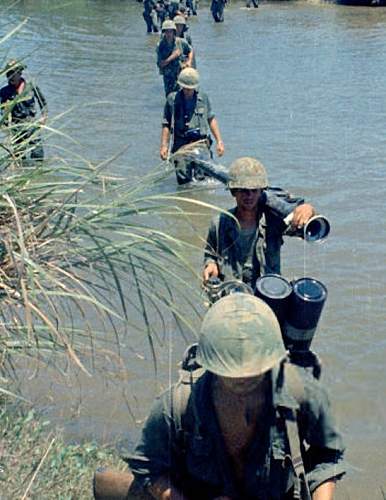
x: 171, y: 71
x: 196, y: 460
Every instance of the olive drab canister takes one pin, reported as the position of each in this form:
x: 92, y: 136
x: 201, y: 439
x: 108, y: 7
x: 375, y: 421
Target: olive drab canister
x: 189, y: 78
x: 168, y: 25
x: 240, y: 337
x: 247, y: 173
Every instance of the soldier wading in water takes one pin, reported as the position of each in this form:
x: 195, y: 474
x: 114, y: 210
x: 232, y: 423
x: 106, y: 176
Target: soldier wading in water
x: 248, y: 244
x: 239, y: 430
x: 189, y: 117
x: 18, y: 108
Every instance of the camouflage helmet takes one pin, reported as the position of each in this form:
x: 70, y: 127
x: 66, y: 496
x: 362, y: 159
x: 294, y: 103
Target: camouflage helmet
x: 14, y: 66
x: 240, y: 337
x: 247, y: 173
x: 179, y: 20
x: 189, y: 78
x: 168, y: 25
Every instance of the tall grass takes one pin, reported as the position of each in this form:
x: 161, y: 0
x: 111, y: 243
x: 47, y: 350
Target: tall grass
x: 83, y: 258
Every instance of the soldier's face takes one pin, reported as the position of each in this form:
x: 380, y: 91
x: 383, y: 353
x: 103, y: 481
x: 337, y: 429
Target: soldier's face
x: 247, y: 199
x: 188, y: 93
x: 241, y: 385
x: 14, y: 78
x: 169, y: 35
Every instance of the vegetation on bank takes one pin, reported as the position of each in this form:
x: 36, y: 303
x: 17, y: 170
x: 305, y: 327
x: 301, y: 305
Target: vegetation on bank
x: 86, y: 266
x: 37, y: 463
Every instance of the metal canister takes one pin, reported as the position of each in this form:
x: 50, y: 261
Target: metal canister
x: 305, y: 307
x: 275, y: 291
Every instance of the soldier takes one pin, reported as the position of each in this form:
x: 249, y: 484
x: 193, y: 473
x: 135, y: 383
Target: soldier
x: 18, y: 105
x: 150, y: 15
x: 172, y: 54
x: 249, y: 426
x: 188, y: 114
x: 248, y: 244
x: 217, y: 9
x: 182, y: 32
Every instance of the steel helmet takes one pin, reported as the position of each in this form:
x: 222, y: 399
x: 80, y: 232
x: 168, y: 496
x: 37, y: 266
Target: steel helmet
x: 189, y: 79
x: 168, y: 25
x: 247, y: 173
x: 14, y: 66
x: 240, y: 337
x: 179, y: 20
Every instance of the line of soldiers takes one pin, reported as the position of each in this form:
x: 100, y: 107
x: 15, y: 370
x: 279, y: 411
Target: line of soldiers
x: 244, y: 422
x: 155, y: 12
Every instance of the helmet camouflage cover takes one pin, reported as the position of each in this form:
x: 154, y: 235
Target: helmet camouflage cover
x: 240, y: 337
x: 247, y: 173
x: 168, y: 25
x: 14, y: 66
x: 189, y: 78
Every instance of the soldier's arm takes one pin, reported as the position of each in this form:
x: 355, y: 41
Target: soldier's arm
x: 166, y: 130
x: 325, y: 491
x: 215, y: 129
x: 324, y: 458
x: 211, y: 266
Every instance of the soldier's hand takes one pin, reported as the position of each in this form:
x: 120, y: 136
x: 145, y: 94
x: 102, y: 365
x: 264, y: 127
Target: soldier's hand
x: 220, y: 148
x: 163, y: 152
x: 302, y: 214
x: 210, y: 271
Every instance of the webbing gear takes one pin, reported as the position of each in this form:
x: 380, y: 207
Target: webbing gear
x: 191, y: 371
x: 301, y: 489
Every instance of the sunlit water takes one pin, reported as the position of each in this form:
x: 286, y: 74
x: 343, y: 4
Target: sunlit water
x: 299, y: 85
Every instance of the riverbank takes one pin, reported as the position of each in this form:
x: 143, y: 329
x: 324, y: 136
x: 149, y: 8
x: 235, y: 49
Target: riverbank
x: 36, y: 462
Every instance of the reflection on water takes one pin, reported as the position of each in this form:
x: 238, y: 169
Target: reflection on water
x: 299, y: 85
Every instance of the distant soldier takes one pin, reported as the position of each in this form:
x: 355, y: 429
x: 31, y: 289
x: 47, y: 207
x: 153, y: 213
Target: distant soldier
x: 18, y: 106
x: 150, y: 16
x: 182, y: 32
x: 217, y: 9
x: 255, y: 4
x: 189, y: 116
x: 173, y: 54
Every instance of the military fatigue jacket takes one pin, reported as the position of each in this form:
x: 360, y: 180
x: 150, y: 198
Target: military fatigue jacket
x: 196, y: 460
x: 164, y: 50
x: 182, y: 120
x: 22, y: 106
x: 224, y: 247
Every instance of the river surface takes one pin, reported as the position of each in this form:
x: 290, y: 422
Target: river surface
x: 300, y: 85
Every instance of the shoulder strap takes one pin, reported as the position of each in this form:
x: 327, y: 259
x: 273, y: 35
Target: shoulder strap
x: 189, y: 373
x: 297, y: 390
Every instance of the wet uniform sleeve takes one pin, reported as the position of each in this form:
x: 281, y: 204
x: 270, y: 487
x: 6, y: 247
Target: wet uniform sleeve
x: 210, y: 112
x: 168, y: 110
x: 152, y: 456
x: 211, y: 246
x: 324, y: 457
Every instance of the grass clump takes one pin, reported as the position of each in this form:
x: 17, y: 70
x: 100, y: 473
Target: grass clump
x: 36, y: 462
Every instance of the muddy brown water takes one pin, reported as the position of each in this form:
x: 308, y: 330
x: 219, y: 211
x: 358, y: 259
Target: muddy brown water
x: 301, y: 86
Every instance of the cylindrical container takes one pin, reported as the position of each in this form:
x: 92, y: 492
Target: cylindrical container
x: 275, y: 291
x: 305, y: 307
